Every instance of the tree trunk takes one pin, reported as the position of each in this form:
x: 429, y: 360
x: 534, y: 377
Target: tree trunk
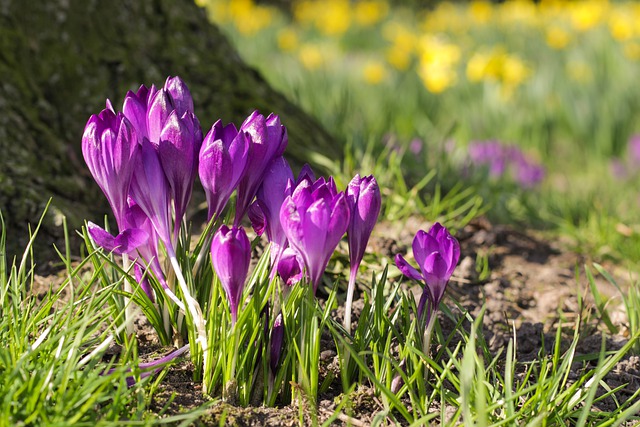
x: 60, y: 60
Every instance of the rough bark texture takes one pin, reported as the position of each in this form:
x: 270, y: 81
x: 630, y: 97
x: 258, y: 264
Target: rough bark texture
x: 60, y: 60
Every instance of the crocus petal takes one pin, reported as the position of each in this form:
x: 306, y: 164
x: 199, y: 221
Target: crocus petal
x: 407, y: 269
x: 177, y: 150
x: 257, y: 218
x: 125, y: 242
x: 290, y: 267
x: 143, y: 280
x: 231, y: 255
x: 180, y: 94
x: 160, y: 106
x: 268, y: 138
x: 150, y: 190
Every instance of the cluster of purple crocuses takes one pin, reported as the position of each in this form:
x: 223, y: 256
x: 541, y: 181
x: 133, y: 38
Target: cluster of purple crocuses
x: 501, y: 158
x: 146, y: 159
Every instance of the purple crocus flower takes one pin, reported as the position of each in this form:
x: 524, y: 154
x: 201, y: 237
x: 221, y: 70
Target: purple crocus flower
x: 265, y: 211
x: 110, y: 148
x: 165, y: 117
x: 314, y: 219
x: 231, y: 254
x: 363, y: 197
x: 150, y: 190
x: 437, y: 253
x: 268, y: 141
x: 223, y: 161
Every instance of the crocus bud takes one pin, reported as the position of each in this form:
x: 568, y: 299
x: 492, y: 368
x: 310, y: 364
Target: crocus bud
x: 110, y: 148
x: 268, y: 140
x: 178, y: 150
x: 363, y: 196
x: 314, y: 219
x: 223, y: 161
x: 437, y: 253
x: 150, y: 190
x: 277, y: 338
x: 231, y: 254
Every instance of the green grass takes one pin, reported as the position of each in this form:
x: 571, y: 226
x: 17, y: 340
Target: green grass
x: 54, y: 361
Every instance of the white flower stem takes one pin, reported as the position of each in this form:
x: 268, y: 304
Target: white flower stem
x: 192, y: 306
x: 426, y: 341
x: 349, y: 302
x: 128, y: 308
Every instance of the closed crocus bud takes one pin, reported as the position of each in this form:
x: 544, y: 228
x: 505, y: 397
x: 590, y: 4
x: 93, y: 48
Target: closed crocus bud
x: 110, y: 148
x: 178, y: 150
x: 314, y: 219
x: 223, y: 161
x: 437, y: 253
x: 231, y: 254
x: 150, y: 190
x: 363, y: 196
x: 268, y: 140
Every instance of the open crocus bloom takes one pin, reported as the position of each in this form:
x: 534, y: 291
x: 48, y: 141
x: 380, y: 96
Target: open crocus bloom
x: 314, y: 219
x: 437, y: 253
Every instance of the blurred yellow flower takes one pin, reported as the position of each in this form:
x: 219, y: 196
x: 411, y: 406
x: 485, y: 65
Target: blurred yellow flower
x: 374, y: 72
x: 436, y: 78
x: 622, y: 24
x: 497, y: 65
x: 310, y: 56
x: 287, y: 39
x: 557, y: 37
x: 305, y: 11
x: 518, y: 11
x: 403, y: 45
x: 587, y: 14
x: 444, y: 18
x: 369, y: 12
x: 437, y: 61
x: 480, y: 11
x: 334, y: 17
x: 248, y: 17
x: 514, y: 71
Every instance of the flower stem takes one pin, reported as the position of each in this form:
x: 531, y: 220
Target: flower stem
x: 128, y: 308
x: 192, y: 306
x: 426, y: 341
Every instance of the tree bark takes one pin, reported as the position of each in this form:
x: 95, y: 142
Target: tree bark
x: 60, y: 60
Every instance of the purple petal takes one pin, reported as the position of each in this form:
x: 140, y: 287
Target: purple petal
x: 180, y: 94
x: 231, y: 255
x: 125, y: 242
x: 407, y: 269
x: 290, y: 267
